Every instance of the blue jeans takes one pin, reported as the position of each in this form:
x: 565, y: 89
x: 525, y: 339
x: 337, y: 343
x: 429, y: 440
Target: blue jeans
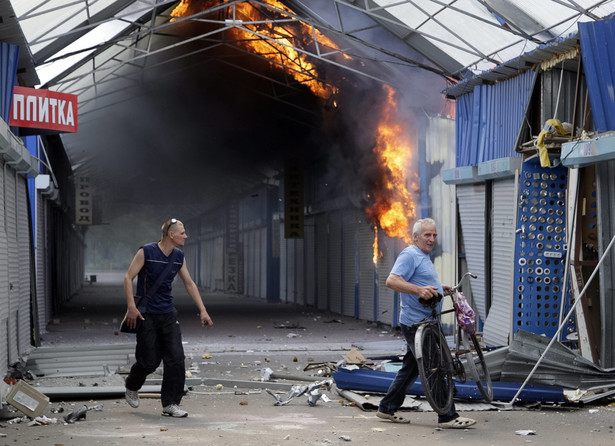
x: 159, y: 339
x: 406, y: 376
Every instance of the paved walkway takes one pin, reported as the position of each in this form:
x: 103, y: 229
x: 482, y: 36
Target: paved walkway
x: 248, y: 336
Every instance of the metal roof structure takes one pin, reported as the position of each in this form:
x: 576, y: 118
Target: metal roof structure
x: 117, y: 54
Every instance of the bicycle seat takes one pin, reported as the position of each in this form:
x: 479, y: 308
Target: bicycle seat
x: 431, y: 302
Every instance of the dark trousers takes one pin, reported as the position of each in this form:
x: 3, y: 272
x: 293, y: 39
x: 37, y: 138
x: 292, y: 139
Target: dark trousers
x: 159, y: 339
x: 406, y: 376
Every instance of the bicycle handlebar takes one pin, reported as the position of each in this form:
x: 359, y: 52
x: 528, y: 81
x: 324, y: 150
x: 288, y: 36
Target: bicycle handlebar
x: 433, y: 301
x: 472, y: 275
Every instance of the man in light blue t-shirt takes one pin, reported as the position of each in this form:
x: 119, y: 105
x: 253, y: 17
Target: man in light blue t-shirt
x: 414, y: 276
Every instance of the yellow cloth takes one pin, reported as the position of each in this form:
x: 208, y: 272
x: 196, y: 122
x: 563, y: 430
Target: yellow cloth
x: 551, y: 127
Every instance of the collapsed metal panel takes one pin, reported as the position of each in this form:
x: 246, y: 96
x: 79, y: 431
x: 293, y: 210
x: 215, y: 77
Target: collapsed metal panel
x: 605, y: 188
x: 560, y: 365
x: 497, y: 325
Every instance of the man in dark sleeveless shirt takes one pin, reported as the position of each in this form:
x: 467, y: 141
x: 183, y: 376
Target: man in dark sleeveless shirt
x: 158, y: 333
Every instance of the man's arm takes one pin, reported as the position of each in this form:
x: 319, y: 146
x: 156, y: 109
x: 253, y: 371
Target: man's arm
x: 399, y: 284
x: 135, y: 266
x: 193, y: 291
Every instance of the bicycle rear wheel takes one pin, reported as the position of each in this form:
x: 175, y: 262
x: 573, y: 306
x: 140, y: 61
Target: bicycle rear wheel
x: 476, y: 367
x: 435, y: 367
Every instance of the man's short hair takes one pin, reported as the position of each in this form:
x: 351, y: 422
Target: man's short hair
x: 166, y: 226
x: 418, y: 225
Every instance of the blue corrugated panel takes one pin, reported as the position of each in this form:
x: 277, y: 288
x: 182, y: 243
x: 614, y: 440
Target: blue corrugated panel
x: 597, y: 43
x: 9, y: 55
x: 488, y: 119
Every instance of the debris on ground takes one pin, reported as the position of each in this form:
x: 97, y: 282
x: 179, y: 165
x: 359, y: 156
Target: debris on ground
x: 313, y: 391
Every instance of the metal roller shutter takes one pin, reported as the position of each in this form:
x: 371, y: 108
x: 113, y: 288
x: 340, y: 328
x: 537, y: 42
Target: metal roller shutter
x: 10, y: 204
x: 471, y: 200
x: 310, y: 262
x: 322, y: 256
x: 497, y: 326
x: 387, y: 302
x: 262, y: 251
x: 350, y: 268
x: 44, y: 314
x: 335, y: 262
x: 284, y: 273
x: 4, y: 281
x: 23, y: 260
x: 367, y: 271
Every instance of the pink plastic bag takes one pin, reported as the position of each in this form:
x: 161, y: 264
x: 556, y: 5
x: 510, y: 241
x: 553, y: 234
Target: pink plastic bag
x: 466, y: 318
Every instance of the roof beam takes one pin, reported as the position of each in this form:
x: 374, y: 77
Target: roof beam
x: 105, y: 15
x: 413, y: 38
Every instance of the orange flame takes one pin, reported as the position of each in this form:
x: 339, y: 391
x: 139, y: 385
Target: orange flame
x: 393, y: 207
x: 377, y: 253
x: 279, y: 42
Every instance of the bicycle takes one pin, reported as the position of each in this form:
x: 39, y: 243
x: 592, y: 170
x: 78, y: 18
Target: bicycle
x: 439, y: 369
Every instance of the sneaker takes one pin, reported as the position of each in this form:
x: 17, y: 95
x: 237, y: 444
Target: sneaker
x: 132, y: 398
x: 173, y: 410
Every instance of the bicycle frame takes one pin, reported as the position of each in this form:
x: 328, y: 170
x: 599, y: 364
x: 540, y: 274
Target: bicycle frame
x: 438, y: 366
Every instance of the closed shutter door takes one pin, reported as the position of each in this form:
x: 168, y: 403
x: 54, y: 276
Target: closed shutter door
x: 310, y: 261
x: 367, y: 272
x: 262, y: 248
x: 291, y: 270
x: 388, y: 303
x: 299, y: 272
x: 41, y: 255
x: 322, y: 254
x: 13, y: 262
x: 4, y: 281
x: 335, y: 262
x: 350, y: 268
x: 251, y: 271
x: 497, y: 326
x: 471, y: 200
x: 283, y: 265
x: 293, y: 252
x: 23, y: 260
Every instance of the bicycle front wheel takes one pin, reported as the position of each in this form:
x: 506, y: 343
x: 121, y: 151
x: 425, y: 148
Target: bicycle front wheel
x: 476, y: 367
x: 435, y: 367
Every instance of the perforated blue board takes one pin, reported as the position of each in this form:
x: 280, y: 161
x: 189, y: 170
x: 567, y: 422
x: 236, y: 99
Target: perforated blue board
x: 540, y: 250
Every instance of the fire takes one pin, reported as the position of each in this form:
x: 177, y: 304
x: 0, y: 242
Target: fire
x: 392, y: 205
x: 259, y: 33
x: 377, y: 253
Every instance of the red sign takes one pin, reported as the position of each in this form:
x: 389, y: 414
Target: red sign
x: 44, y: 109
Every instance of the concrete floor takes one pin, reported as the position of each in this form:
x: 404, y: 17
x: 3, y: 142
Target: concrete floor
x: 248, y: 336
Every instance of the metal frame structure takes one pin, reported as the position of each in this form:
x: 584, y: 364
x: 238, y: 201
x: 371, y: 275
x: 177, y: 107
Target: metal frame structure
x: 386, y: 41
